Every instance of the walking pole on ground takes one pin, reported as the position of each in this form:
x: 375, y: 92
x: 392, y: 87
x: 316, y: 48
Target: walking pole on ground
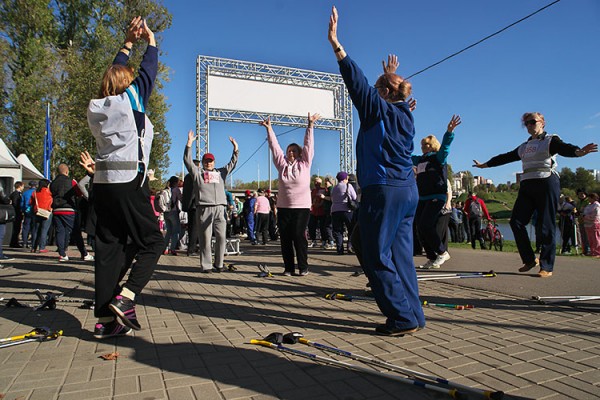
x: 455, y: 306
x: 36, y: 335
x: 490, y: 274
x: 346, y: 297
x: 563, y: 299
x: 49, y: 300
x: 326, y: 360
x: 295, y: 337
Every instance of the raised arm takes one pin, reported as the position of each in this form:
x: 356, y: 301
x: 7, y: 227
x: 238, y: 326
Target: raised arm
x: 187, y: 153
x: 339, y: 51
x: 442, y: 154
x: 308, y: 151
x: 278, y: 156
x: 234, y: 156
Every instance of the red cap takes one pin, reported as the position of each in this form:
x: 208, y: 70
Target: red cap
x: 208, y: 156
x: 248, y: 193
x: 268, y: 191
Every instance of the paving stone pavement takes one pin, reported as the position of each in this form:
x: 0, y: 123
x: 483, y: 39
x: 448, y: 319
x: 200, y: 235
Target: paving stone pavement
x: 197, y: 328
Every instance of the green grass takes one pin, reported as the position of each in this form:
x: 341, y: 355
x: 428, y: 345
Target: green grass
x: 509, y: 246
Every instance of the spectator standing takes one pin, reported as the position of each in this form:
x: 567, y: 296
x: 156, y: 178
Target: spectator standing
x: 539, y: 189
x: 272, y: 215
x: 28, y: 214
x: 41, y: 199
x: 64, y: 209
x: 15, y: 199
x: 327, y: 223
x: 248, y: 211
x: 475, y: 210
x: 211, y: 203
x: 172, y: 217
x: 293, y: 198
x: 3, y: 200
x: 262, y: 209
x: 317, y: 214
x: 566, y: 212
x: 582, y: 202
x: 341, y: 213
x: 455, y: 225
x: 188, y: 204
x: 591, y: 222
x: 388, y: 189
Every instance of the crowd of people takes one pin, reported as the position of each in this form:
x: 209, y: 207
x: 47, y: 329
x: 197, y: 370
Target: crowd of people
x: 404, y: 200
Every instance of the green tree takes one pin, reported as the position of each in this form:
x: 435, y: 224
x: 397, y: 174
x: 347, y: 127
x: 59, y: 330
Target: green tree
x: 567, y: 178
x: 57, y: 54
x: 584, y: 179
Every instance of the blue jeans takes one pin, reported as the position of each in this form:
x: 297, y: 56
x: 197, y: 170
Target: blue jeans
x: 27, y: 228
x: 173, y: 230
x: 385, y: 221
x: 39, y: 235
x: 64, y: 225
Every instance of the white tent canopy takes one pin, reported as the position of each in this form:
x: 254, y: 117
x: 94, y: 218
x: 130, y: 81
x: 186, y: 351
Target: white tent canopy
x: 29, y: 170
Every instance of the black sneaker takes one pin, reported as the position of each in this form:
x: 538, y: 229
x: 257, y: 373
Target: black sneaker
x: 384, y: 330
x: 110, y: 329
x: 125, y: 310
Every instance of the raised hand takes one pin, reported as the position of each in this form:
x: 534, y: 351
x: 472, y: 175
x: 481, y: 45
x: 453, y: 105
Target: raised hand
x: 454, y: 122
x: 392, y: 64
x: 266, y: 123
x: 332, y: 33
x: 234, y: 143
x: 191, y: 137
x: 147, y: 34
x: 134, y: 30
x: 589, y: 148
x: 313, y: 118
x: 87, y: 162
x: 412, y: 104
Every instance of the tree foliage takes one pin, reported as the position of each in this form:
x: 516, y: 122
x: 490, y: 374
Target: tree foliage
x: 55, y: 52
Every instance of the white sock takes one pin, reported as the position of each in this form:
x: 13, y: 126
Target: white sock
x: 127, y: 293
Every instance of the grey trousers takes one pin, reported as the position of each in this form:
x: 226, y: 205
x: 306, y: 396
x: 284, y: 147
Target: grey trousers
x: 209, y: 220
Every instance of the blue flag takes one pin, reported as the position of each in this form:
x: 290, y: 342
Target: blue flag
x: 47, y: 145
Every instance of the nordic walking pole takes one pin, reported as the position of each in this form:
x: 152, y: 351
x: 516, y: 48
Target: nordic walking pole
x: 490, y: 274
x: 346, y: 297
x: 455, y: 394
x: 454, y: 274
x: 563, y: 299
x: 455, y: 306
x: 295, y: 336
x: 36, y: 335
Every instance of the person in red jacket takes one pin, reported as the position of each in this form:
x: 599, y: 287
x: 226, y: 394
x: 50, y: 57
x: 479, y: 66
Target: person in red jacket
x: 475, y: 209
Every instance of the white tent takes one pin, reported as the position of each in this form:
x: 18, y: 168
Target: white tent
x: 9, y: 165
x: 30, y: 172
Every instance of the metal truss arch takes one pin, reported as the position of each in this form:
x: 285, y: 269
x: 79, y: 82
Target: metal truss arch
x: 207, y: 66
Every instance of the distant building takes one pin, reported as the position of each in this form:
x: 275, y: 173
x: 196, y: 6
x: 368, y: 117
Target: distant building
x: 596, y: 174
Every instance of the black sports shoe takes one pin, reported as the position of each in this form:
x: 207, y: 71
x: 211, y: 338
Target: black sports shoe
x: 125, y: 310
x: 110, y: 329
x: 384, y: 330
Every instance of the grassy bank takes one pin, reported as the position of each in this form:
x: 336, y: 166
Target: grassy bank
x: 509, y: 246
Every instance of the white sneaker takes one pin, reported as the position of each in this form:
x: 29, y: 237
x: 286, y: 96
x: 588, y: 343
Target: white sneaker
x: 428, y: 265
x: 63, y: 259
x: 442, y: 258
x: 88, y: 257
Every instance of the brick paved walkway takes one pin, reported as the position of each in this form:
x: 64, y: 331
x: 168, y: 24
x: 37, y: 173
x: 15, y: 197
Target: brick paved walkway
x: 197, y: 328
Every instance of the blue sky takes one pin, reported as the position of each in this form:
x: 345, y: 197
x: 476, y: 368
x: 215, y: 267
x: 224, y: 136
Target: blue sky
x: 549, y: 63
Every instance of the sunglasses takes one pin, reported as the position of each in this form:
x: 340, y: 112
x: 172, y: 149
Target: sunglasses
x: 530, y: 122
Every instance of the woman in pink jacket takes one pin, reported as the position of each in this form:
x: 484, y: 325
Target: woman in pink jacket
x: 293, y: 200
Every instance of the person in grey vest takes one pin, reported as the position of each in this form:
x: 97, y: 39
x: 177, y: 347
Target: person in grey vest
x: 209, y: 192
x: 126, y: 226
x: 539, y: 190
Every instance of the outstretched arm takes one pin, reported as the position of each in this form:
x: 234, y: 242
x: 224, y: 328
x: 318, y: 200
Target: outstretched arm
x: 587, y: 149
x: 187, y: 153
x: 234, y: 155
x: 278, y: 156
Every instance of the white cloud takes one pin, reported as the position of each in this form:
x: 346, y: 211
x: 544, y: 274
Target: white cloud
x: 589, y: 126
x: 595, y: 116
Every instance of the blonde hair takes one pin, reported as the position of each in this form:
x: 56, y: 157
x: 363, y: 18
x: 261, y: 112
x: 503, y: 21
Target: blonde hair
x: 432, y: 142
x: 532, y: 115
x: 115, y: 80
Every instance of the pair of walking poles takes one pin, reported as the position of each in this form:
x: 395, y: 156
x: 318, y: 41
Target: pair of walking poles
x: 348, y: 297
x: 36, y: 335
x: 455, y: 390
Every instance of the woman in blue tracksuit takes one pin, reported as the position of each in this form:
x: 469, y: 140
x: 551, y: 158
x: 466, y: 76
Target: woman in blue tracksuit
x: 389, y: 192
x: 432, y: 178
x: 539, y: 190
